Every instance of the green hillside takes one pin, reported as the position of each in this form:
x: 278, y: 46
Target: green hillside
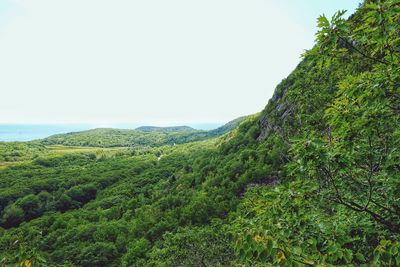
x: 312, y: 180
x: 145, y: 136
x: 166, y: 129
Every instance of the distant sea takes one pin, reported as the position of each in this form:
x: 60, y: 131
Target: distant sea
x: 29, y: 132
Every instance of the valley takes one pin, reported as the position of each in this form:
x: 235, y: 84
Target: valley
x: 311, y: 180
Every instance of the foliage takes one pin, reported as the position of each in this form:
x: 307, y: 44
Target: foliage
x: 313, y: 180
x: 194, y: 246
x: 292, y: 225
x: 357, y: 156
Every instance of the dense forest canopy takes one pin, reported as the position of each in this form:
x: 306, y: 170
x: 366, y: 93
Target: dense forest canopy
x: 312, y: 180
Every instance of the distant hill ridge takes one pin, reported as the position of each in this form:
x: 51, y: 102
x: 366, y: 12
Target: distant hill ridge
x: 145, y: 136
x: 166, y: 129
x: 312, y: 180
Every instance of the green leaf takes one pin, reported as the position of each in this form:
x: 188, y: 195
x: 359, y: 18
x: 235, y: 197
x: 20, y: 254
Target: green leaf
x: 348, y: 255
x: 360, y: 257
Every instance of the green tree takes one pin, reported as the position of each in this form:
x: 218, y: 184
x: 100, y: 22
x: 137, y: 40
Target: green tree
x: 13, y: 215
x: 357, y: 156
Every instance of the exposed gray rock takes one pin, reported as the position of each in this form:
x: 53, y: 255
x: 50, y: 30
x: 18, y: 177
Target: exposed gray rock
x: 274, y: 116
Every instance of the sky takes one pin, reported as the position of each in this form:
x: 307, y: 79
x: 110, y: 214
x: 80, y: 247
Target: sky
x: 157, y: 62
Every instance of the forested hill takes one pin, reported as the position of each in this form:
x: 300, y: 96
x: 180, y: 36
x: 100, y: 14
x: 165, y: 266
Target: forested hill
x: 145, y: 136
x: 313, y: 180
x: 166, y: 129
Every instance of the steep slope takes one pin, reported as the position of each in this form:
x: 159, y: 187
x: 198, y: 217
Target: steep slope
x: 311, y: 181
x: 336, y: 118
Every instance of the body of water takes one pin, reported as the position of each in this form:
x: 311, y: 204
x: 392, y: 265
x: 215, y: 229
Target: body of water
x: 27, y: 132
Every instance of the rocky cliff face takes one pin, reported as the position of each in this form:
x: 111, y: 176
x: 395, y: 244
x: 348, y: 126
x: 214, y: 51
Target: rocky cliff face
x: 278, y: 112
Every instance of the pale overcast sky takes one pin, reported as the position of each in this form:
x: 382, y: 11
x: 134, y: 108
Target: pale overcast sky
x: 151, y: 61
